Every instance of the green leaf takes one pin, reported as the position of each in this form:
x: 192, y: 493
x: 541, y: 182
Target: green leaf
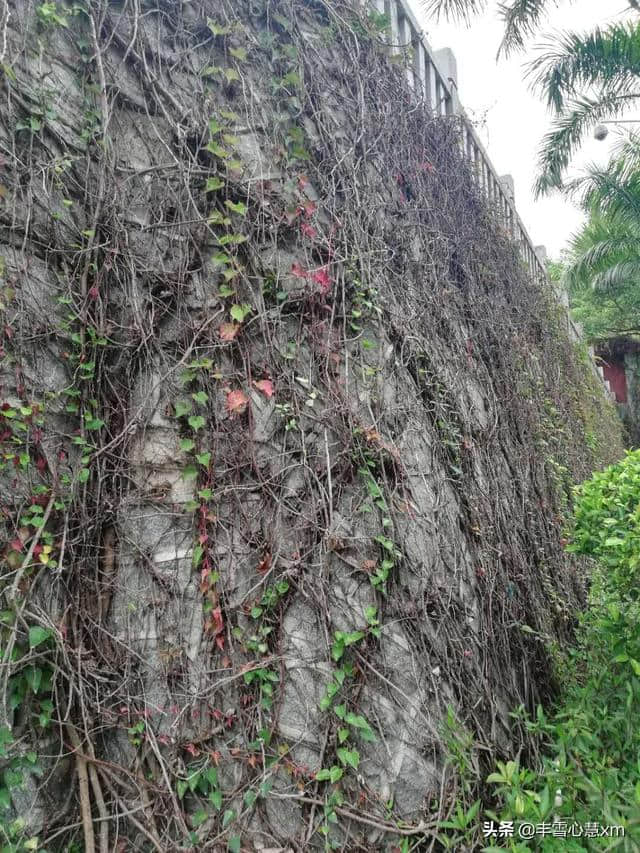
x: 343, y: 734
x: 215, y: 798
x: 214, y: 184
x: 190, y: 472
x: 249, y: 798
x: 351, y: 757
x: 5, y: 799
x: 228, y: 817
x: 196, y: 422
x: 204, y: 458
x: 239, y: 312
x: 181, y: 788
x: 182, y: 408
x: 198, y: 818
x: 335, y: 774
x: 38, y: 635
x: 187, y: 444
x: 231, y: 239
x: 239, y: 52
x: 235, y: 844
x: 200, y: 397
x: 237, y: 207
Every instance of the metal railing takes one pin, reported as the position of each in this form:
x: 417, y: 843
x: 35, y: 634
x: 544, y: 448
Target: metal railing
x: 433, y: 77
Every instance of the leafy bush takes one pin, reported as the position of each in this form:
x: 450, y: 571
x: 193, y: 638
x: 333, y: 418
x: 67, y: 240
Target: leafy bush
x: 589, y: 776
x: 607, y: 522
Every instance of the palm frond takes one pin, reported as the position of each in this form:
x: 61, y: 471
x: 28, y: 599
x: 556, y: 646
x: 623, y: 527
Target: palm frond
x: 619, y: 275
x: 609, y: 58
x: 568, y: 131
x: 460, y: 9
x: 599, y: 258
x: 521, y: 19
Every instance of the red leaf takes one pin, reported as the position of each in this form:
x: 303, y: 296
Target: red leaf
x: 41, y: 463
x: 309, y: 208
x: 321, y: 277
x: 228, y: 331
x: 266, y: 386
x: 298, y: 271
x: 265, y: 564
x: 192, y: 750
x: 15, y: 545
x: 236, y: 402
x: 303, y: 181
x: 217, y: 621
x: 308, y: 230
x: 203, y: 538
x: 93, y: 292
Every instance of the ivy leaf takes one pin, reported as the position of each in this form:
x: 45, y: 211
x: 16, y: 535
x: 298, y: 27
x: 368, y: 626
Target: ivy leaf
x: 196, y: 422
x: 335, y: 774
x: 239, y: 52
x: 236, y: 402
x: 217, y: 150
x: 187, y: 444
x: 214, y: 184
x: 182, y: 408
x: 38, y: 635
x: 204, y: 458
x: 351, y: 757
x: 239, y: 312
x: 218, y: 29
x: 228, y: 331
x: 266, y: 386
x: 198, y: 818
x: 228, y: 817
x: 200, y: 397
x: 249, y: 798
x: 231, y: 239
x: 237, y: 207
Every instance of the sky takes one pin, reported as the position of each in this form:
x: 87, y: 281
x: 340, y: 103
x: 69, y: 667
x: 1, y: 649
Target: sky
x: 510, y: 119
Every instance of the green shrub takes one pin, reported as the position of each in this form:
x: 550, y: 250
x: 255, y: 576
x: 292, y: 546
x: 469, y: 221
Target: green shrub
x: 589, y: 776
x: 607, y: 522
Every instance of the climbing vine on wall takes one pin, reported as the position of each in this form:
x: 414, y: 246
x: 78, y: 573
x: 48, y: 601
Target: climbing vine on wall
x: 274, y: 488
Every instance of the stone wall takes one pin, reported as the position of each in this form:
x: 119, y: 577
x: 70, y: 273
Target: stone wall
x: 300, y: 428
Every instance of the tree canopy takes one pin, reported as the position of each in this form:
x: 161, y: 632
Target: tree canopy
x: 585, y: 79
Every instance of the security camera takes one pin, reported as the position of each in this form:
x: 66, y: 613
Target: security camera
x: 601, y: 132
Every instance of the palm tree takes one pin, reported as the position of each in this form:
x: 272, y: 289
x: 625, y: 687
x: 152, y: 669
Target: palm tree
x: 584, y: 79
x: 602, y: 269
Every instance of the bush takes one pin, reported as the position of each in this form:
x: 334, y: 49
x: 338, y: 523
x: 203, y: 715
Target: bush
x: 590, y: 773
x: 607, y: 522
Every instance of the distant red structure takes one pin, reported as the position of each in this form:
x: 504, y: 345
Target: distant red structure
x: 614, y: 372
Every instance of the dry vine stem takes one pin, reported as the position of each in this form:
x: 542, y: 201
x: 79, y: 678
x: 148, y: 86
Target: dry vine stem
x: 312, y: 423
